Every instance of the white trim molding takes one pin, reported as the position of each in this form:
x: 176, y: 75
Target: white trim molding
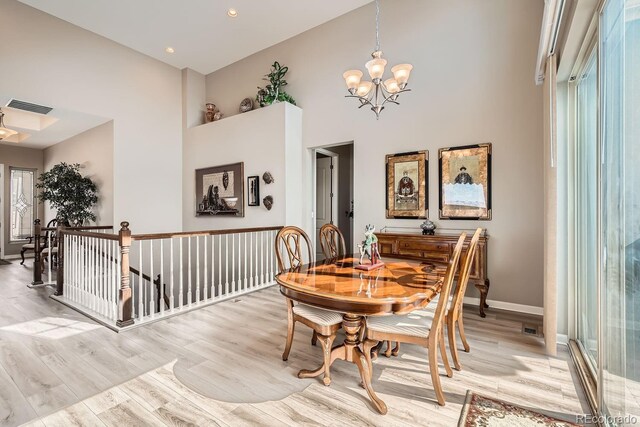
x: 551, y: 20
x: 520, y: 308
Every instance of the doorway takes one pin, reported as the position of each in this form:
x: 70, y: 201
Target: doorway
x: 333, y: 198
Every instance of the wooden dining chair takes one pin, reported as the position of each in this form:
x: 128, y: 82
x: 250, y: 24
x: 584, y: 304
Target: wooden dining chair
x: 324, y: 323
x: 421, y: 327
x: 332, y: 241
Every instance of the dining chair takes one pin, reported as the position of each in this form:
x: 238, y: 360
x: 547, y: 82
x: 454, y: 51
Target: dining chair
x: 324, y: 323
x: 421, y: 327
x: 332, y: 241
x: 31, y: 245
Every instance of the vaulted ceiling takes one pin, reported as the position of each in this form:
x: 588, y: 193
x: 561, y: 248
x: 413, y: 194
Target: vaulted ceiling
x: 202, y: 34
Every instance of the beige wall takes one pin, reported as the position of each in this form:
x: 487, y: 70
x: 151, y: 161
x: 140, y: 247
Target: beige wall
x: 472, y: 83
x: 93, y: 150
x: 17, y: 157
x: 58, y: 64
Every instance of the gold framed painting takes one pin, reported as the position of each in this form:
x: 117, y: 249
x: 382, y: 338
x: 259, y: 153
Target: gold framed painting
x: 465, y: 182
x: 407, y: 188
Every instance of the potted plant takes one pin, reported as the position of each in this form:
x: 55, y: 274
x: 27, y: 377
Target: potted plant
x: 273, y: 91
x: 69, y: 193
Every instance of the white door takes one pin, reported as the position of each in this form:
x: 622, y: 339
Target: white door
x: 324, y: 198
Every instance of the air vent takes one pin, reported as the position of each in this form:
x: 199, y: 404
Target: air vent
x: 530, y: 330
x: 27, y: 106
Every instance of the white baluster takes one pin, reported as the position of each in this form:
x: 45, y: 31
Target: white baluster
x: 171, y: 298
x: 50, y: 257
x: 233, y: 263
x: 197, y: 269
x: 246, y: 281
x: 213, y: 275
x: 181, y: 275
x: 226, y: 264
x: 251, y: 260
x: 119, y: 255
x: 189, y: 295
x: 152, y: 303
x: 140, y: 282
x: 262, y: 258
x: 219, y: 265
x: 205, y: 274
x: 161, y: 283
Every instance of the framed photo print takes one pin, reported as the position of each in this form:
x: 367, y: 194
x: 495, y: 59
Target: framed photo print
x: 253, y: 185
x: 465, y: 182
x: 407, y: 176
x: 220, y: 190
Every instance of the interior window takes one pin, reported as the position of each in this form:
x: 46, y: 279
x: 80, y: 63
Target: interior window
x: 22, y: 204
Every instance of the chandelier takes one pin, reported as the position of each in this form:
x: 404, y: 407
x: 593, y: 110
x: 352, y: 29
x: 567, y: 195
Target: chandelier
x: 376, y: 93
x: 5, y: 132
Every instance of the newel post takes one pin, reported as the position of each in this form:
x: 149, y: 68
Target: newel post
x: 60, y: 271
x: 37, y: 267
x: 124, y: 294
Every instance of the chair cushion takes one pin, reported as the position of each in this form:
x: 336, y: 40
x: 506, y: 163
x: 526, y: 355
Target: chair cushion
x: 30, y: 246
x: 317, y: 315
x: 415, y: 324
x: 45, y: 251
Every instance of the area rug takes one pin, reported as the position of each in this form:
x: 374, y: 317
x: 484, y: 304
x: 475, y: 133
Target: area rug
x: 481, y: 411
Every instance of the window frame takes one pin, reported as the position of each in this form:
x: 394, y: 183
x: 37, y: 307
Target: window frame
x: 35, y: 202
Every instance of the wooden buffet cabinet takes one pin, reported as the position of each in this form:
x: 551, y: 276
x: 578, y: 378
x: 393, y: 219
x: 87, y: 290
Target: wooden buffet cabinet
x: 437, y: 249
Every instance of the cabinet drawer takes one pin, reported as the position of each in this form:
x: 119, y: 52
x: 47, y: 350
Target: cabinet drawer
x: 424, y: 246
x: 425, y: 256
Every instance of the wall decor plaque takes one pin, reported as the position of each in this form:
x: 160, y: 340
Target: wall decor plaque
x: 253, y: 186
x: 220, y: 190
x: 407, y: 185
x: 465, y: 182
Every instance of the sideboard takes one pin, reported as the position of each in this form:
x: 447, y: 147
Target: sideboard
x: 438, y: 249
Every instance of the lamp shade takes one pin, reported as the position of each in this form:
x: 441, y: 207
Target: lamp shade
x: 364, y: 88
x: 401, y: 73
x: 376, y: 67
x: 352, y: 78
x: 4, y: 131
x: 392, y: 85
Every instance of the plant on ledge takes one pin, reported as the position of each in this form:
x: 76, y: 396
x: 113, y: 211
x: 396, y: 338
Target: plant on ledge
x: 272, y: 92
x: 70, y: 194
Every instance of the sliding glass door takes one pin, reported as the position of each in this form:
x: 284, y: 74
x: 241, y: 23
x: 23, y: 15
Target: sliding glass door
x: 619, y: 370
x: 587, y: 256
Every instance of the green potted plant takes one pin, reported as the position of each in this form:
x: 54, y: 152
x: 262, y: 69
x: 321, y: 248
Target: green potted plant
x: 273, y: 91
x: 70, y: 194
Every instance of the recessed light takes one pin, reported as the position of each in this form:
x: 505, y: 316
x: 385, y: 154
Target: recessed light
x: 232, y: 13
x: 169, y: 49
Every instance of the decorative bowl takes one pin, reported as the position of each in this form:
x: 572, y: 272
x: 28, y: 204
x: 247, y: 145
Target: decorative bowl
x: 231, y: 202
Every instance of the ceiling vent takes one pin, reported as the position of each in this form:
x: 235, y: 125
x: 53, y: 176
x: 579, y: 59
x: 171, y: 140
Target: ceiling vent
x: 27, y: 106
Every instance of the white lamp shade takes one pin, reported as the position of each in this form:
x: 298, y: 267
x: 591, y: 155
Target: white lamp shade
x: 352, y: 78
x: 376, y: 67
x: 401, y: 73
x: 364, y: 88
x: 392, y: 85
x: 6, y: 133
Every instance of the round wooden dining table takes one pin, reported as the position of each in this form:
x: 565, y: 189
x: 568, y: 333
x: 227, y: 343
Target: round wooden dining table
x: 398, y: 287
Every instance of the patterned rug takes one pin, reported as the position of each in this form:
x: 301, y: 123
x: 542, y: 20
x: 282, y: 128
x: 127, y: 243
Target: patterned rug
x: 480, y: 411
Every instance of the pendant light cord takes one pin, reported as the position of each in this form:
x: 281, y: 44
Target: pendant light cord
x: 377, y: 25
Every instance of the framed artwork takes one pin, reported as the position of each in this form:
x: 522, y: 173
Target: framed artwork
x: 407, y: 189
x: 465, y: 182
x: 220, y: 190
x: 253, y: 185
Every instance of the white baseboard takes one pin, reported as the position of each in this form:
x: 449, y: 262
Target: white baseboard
x: 520, y: 308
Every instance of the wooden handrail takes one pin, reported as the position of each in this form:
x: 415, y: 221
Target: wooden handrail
x: 105, y: 236
x: 202, y: 233
x: 99, y: 227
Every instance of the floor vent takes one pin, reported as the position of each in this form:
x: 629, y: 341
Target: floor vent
x: 530, y: 330
x: 28, y: 106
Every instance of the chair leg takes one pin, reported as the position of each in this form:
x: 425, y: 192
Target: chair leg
x: 453, y: 348
x: 22, y: 256
x: 435, y: 376
x: 396, y: 349
x: 387, y: 352
x: 314, y: 338
x: 326, y: 343
x: 462, y: 336
x: 443, y: 352
x: 290, y: 327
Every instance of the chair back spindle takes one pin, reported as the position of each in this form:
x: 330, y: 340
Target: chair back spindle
x: 332, y: 241
x: 291, y: 241
x: 465, y: 271
x: 445, y: 291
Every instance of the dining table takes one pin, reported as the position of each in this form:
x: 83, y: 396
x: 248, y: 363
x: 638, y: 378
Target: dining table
x: 397, y: 287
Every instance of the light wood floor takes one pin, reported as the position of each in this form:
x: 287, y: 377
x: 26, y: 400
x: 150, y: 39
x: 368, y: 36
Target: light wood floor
x: 222, y: 365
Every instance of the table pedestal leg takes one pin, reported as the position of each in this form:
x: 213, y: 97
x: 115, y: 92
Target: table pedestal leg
x: 351, y: 351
